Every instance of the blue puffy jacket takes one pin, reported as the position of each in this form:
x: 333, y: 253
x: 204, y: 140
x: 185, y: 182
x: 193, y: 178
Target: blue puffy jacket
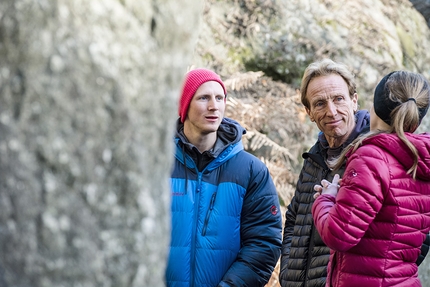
x: 226, y: 224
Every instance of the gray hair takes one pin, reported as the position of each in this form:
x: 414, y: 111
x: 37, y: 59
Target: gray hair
x: 326, y: 67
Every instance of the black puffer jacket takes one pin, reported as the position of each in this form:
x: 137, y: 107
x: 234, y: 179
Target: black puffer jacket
x: 304, y: 255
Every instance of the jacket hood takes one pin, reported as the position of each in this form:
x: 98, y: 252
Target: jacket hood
x: 393, y: 145
x: 229, y: 142
x: 229, y: 132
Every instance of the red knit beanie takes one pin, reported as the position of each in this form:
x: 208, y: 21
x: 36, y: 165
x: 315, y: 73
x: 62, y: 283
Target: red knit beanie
x: 193, y: 80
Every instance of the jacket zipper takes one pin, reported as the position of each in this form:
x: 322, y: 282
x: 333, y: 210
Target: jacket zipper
x: 208, y: 213
x: 311, y: 242
x: 193, y: 238
x: 333, y: 265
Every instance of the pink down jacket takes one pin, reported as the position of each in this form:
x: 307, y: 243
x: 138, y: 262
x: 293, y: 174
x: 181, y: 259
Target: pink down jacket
x: 378, y: 221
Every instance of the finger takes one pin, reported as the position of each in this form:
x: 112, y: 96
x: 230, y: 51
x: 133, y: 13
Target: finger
x: 318, y: 188
x: 317, y: 194
x: 325, y: 183
x: 336, y: 179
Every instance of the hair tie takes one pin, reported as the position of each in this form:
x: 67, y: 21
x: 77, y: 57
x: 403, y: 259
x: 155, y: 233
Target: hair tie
x: 412, y: 99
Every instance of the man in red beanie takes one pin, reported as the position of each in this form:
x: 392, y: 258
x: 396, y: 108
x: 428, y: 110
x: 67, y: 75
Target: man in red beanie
x: 226, y: 224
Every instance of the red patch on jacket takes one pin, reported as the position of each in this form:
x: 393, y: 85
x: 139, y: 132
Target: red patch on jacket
x: 274, y: 210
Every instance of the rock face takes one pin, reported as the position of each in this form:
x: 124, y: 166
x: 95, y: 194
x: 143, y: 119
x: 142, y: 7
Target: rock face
x: 88, y: 93
x: 281, y: 38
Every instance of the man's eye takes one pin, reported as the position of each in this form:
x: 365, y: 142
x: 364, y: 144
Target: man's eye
x: 220, y: 98
x: 339, y: 99
x: 319, y: 104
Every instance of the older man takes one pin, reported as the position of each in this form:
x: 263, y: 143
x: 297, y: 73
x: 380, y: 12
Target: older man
x: 328, y: 92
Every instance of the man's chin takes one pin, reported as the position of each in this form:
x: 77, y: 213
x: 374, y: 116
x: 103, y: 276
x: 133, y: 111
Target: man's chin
x: 338, y: 137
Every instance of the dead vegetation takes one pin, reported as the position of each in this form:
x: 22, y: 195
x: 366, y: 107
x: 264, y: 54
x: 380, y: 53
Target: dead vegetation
x: 277, y: 128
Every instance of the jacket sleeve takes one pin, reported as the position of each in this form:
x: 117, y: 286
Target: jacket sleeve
x: 290, y: 219
x: 261, y: 234
x: 343, y: 221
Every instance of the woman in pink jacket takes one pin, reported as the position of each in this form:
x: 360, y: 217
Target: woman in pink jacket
x: 376, y: 222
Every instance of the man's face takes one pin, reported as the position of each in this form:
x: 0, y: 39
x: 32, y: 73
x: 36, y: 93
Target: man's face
x: 206, y: 109
x: 331, y: 107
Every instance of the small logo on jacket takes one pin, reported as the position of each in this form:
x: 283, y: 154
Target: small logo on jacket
x: 180, y: 193
x: 274, y: 210
x: 352, y: 173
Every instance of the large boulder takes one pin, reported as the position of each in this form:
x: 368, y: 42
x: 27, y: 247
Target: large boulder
x: 281, y: 38
x: 88, y: 100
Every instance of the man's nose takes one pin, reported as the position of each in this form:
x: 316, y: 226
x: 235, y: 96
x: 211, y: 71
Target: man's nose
x: 331, y: 109
x: 213, y: 103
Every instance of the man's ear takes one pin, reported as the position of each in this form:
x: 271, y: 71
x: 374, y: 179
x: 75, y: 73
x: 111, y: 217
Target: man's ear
x: 355, y: 100
x: 309, y: 114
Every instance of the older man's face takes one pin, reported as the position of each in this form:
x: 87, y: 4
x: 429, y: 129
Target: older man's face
x: 331, y: 107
